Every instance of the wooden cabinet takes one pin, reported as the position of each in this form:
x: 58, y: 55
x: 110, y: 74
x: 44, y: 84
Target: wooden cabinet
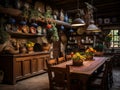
x: 17, y: 66
x: 20, y: 66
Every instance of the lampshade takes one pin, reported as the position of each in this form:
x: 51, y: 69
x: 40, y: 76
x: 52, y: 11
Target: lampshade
x: 92, y: 27
x: 78, y: 22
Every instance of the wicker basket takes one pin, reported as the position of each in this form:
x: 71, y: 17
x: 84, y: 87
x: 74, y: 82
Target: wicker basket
x: 77, y: 62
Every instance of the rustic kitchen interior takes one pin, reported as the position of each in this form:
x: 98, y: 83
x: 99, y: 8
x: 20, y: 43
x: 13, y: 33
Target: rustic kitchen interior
x: 59, y: 45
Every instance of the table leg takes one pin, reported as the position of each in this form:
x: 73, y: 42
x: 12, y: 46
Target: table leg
x: 84, y: 82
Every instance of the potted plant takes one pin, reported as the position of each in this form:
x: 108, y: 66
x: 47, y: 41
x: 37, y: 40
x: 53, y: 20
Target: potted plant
x: 99, y: 49
x: 30, y: 46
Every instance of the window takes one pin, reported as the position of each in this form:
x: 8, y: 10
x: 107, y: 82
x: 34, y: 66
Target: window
x: 115, y: 42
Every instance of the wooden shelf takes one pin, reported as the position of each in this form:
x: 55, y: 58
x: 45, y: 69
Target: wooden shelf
x: 58, y: 22
x: 72, y: 44
x: 17, y: 12
x: 16, y: 34
x: 10, y: 11
x: 87, y: 43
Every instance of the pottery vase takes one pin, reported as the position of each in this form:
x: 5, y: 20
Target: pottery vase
x: 61, y: 15
x: 66, y: 18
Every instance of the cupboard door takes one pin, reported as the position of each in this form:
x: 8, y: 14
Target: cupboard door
x: 26, y: 67
x: 18, y: 69
x: 33, y: 65
x: 40, y: 64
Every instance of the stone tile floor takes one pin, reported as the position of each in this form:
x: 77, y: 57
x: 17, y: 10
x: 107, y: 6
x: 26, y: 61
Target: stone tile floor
x: 40, y: 82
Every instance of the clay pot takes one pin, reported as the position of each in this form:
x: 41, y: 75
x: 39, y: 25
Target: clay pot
x: 30, y: 49
x: 23, y: 50
x: 45, y: 47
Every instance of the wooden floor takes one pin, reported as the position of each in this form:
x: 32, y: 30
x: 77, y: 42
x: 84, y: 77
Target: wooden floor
x: 40, y: 82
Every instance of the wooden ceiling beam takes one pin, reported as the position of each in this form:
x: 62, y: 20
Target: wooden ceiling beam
x: 107, y: 4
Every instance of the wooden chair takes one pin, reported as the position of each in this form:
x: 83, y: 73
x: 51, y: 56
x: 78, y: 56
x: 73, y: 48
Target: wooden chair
x: 110, y: 73
x: 68, y: 57
x: 61, y: 59
x: 100, y: 83
x: 58, y: 77
x: 51, y: 62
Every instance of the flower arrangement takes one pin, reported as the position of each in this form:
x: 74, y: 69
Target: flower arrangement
x: 30, y: 44
x: 90, y: 52
x: 78, y: 56
x: 108, y: 38
x: 78, y: 59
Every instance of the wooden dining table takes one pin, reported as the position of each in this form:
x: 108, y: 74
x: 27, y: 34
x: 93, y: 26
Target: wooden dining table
x: 84, y: 71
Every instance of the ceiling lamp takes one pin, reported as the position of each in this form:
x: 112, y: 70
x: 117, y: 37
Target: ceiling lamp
x: 78, y: 21
x: 92, y: 27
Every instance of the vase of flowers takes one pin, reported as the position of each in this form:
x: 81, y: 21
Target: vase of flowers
x: 30, y: 46
x: 90, y: 53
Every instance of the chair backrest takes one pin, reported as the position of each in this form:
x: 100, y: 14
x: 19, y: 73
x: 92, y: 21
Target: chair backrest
x: 110, y: 64
x: 51, y: 62
x: 61, y: 59
x: 59, y: 77
x: 105, y: 73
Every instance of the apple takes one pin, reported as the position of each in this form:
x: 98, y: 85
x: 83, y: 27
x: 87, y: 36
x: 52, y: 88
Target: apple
x: 49, y: 26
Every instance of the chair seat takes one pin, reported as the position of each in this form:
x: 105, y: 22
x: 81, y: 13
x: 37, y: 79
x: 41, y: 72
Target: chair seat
x: 96, y: 82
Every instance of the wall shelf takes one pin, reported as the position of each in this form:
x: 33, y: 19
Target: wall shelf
x: 17, y: 12
x: 10, y: 11
x: 16, y: 34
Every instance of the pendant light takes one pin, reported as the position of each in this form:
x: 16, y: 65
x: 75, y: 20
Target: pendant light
x: 78, y: 21
x: 92, y: 27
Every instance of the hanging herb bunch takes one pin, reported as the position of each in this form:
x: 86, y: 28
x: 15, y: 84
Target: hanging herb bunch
x: 35, y: 14
x: 52, y: 32
x: 48, y: 15
x: 55, y: 36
